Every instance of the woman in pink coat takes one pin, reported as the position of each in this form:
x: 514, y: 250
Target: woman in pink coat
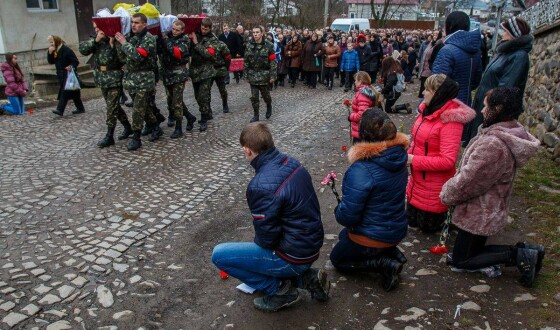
x: 16, y: 89
x: 481, y: 191
x: 365, y: 98
x: 436, y: 139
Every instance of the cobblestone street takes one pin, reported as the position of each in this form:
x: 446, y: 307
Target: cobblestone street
x: 105, y: 238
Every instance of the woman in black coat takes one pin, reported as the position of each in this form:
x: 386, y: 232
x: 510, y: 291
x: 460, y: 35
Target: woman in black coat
x: 510, y: 68
x: 64, y: 59
x: 368, y: 62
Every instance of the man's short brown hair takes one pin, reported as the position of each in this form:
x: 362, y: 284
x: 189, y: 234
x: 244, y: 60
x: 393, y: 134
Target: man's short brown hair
x: 179, y: 23
x: 206, y: 22
x: 143, y: 17
x: 257, y: 137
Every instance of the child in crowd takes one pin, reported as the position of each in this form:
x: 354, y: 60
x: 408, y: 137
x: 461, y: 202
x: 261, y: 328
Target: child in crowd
x: 350, y: 65
x: 366, y: 97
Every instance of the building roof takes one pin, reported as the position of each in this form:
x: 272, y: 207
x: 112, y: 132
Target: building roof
x: 477, y: 4
x: 381, y: 2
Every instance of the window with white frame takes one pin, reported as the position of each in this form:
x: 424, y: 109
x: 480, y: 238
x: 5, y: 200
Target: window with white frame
x: 42, y: 4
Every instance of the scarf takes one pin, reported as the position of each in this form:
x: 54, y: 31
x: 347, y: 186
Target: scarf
x: 448, y: 90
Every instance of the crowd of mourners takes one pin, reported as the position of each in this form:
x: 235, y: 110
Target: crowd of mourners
x: 394, y: 182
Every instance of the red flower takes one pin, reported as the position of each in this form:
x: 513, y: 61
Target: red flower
x: 347, y: 103
x: 223, y: 275
x: 331, y: 177
x: 344, y: 148
x: 439, y: 250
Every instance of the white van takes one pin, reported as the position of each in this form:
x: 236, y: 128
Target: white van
x: 350, y: 24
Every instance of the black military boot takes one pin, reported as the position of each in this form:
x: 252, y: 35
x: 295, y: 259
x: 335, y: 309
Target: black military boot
x: 317, y: 283
x: 190, y: 121
x: 268, y: 111
x: 255, y: 116
x: 78, y: 111
x: 123, y: 98
x: 135, y: 142
x: 159, y: 117
x: 178, y: 132
x: 171, y: 120
x: 58, y: 112
x: 156, y: 133
x: 226, y: 107
x: 210, y: 116
x: 108, y: 140
x: 203, y: 122
x: 127, y: 131
x: 146, y: 130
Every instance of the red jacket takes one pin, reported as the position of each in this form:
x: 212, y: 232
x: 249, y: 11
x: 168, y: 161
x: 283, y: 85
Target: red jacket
x: 362, y: 101
x: 15, y: 85
x: 436, y: 140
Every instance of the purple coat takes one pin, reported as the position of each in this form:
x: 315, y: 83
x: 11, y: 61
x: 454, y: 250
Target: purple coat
x: 15, y: 84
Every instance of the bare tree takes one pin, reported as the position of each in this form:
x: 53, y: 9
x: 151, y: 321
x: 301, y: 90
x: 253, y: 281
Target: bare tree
x: 384, y: 10
x: 186, y: 7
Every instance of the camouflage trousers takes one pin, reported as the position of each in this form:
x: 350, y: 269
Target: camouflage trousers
x: 175, y: 103
x: 112, y: 97
x: 141, y: 110
x: 265, y: 92
x: 202, y: 95
x: 221, y: 83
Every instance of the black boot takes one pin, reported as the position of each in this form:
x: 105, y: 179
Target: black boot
x: 146, y: 130
x: 389, y: 269
x: 159, y: 117
x: 268, y: 111
x: 203, y: 123
x: 156, y: 133
x: 127, y: 131
x: 178, y: 132
x: 190, y: 121
x: 210, y: 116
x: 226, y: 107
x: 171, y: 120
x: 135, y: 142
x: 255, y: 116
x: 317, y: 283
x: 58, y: 112
x: 540, y: 253
x: 526, y: 261
x: 78, y: 111
x: 399, y: 107
x: 329, y: 85
x: 108, y: 140
x: 123, y: 98
x: 281, y: 83
x: 286, y: 296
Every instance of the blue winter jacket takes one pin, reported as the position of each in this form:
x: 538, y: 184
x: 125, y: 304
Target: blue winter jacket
x: 350, y: 61
x: 285, y: 208
x: 373, y: 190
x: 460, y: 59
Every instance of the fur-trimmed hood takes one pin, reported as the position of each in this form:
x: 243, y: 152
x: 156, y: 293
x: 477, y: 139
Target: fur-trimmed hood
x: 367, y: 150
x: 453, y: 111
x: 367, y: 91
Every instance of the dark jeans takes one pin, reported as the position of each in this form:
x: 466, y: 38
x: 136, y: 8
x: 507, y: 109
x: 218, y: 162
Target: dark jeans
x: 422, y: 87
x: 390, y: 102
x: 373, y: 76
x: 329, y: 75
x: 348, y: 256
x: 348, y: 79
x: 75, y: 96
x: 428, y: 222
x: 471, y: 252
x: 311, y: 78
x: 293, y: 74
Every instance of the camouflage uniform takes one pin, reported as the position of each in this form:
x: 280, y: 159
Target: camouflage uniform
x: 223, y: 59
x: 139, y: 55
x: 174, y: 56
x: 202, y: 71
x: 108, y: 76
x: 260, y: 67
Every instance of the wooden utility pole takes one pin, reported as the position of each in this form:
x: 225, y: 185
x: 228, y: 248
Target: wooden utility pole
x: 326, y: 18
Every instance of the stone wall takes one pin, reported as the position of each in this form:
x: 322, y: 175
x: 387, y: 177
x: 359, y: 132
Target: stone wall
x: 542, y: 94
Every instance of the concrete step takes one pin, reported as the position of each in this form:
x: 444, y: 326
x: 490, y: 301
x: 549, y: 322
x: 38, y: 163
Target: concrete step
x: 50, y: 70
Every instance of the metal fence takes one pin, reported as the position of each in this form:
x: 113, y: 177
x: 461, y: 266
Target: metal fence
x: 542, y: 14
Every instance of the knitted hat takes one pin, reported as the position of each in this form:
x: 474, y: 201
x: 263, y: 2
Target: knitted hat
x: 516, y: 26
x: 361, y: 37
x: 456, y: 21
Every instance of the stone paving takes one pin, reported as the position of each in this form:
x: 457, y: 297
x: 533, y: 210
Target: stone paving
x: 72, y: 214
x: 109, y: 239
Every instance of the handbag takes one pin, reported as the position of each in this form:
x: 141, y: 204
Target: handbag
x: 72, y: 82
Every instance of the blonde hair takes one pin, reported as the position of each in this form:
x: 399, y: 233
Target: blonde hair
x: 363, y: 77
x: 434, y: 82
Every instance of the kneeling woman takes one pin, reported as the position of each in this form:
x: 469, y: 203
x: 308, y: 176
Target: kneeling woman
x: 481, y: 190
x: 372, y: 209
